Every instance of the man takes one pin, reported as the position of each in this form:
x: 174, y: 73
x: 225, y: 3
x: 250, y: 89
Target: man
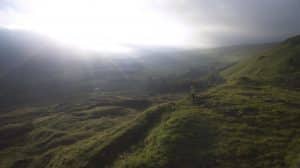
x: 193, y: 92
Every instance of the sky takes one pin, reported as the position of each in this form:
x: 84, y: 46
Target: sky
x: 114, y: 24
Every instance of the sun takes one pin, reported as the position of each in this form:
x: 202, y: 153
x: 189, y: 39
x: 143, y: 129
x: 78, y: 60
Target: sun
x: 103, y: 25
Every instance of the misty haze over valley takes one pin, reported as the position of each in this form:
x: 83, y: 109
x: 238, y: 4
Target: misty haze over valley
x: 149, y: 84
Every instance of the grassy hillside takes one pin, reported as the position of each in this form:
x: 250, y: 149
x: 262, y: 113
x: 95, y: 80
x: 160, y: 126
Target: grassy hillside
x: 251, y: 120
x: 32, y: 136
x: 280, y: 65
x: 217, y: 130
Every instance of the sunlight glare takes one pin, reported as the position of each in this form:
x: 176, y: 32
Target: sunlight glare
x: 103, y: 25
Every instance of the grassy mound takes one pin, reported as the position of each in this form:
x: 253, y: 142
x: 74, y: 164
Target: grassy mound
x: 184, y: 139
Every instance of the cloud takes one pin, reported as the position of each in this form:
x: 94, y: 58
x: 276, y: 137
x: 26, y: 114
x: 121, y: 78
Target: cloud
x: 239, y: 21
x: 219, y: 22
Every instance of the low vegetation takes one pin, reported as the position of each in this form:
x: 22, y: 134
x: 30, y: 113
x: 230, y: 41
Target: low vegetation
x: 249, y: 117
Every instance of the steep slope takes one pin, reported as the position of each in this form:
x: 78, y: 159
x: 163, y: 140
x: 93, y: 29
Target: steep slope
x: 280, y: 65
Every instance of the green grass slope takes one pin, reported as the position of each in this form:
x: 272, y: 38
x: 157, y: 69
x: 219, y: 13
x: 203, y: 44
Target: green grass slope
x: 230, y: 126
x: 185, y: 138
x: 38, y: 136
x: 251, y: 121
x: 280, y: 65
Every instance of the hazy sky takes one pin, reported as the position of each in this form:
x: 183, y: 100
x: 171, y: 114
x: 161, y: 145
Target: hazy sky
x: 239, y: 21
x: 182, y: 23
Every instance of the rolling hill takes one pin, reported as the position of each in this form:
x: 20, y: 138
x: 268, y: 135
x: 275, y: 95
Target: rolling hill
x: 249, y: 120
